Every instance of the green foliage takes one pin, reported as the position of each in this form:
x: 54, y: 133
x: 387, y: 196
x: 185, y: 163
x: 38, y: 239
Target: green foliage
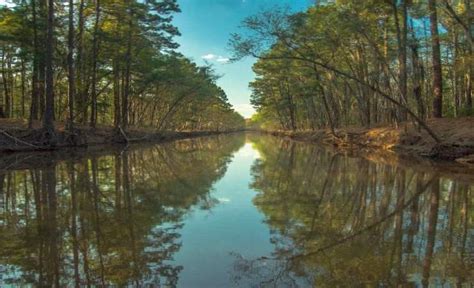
x: 339, y: 63
x: 125, y: 64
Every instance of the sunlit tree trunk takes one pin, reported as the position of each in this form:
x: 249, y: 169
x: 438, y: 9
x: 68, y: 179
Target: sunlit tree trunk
x: 402, y: 32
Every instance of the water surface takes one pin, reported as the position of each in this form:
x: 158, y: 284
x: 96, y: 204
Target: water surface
x: 233, y: 211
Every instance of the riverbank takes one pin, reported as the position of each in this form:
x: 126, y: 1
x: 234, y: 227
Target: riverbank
x: 15, y: 136
x: 457, y: 139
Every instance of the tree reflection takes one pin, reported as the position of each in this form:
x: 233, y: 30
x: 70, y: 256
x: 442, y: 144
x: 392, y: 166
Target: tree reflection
x: 106, y: 221
x: 342, y: 221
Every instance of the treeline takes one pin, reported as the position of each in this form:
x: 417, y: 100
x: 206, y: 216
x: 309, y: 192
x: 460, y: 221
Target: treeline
x: 360, y: 63
x: 105, y: 62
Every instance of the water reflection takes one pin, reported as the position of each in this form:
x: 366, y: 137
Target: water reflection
x: 182, y: 214
x: 106, y: 220
x: 338, y: 221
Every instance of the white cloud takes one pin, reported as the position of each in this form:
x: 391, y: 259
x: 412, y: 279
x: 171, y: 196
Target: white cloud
x: 214, y: 57
x: 223, y: 200
x: 221, y: 59
x: 209, y: 56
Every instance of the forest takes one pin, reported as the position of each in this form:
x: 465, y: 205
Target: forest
x: 382, y: 196
x: 69, y: 64
x: 360, y: 63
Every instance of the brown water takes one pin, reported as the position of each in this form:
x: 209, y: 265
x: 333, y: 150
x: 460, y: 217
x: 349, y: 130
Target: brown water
x: 233, y: 211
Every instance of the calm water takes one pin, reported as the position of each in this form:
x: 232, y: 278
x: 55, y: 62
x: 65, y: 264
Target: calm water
x: 233, y: 211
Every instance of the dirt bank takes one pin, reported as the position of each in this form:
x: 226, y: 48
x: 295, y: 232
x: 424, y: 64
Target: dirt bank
x: 457, y: 139
x: 16, y: 137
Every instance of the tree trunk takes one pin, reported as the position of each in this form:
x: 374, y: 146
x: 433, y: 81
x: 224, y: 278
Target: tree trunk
x: 95, y: 51
x: 454, y: 76
x: 70, y: 67
x: 437, y: 73
x: 48, y: 123
x: 402, y: 33
x: 116, y: 93
x: 128, y: 63
x: 81, y: 103
x: 23, y: 87
x: 417, y: 76
x: 42, y: 58
x: 6, y: 94
x: 34, y: 78
x: 470, y: 70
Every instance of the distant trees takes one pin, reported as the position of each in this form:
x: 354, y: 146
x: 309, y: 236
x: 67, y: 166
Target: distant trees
x: 104, y: 62
x: 352, y: 63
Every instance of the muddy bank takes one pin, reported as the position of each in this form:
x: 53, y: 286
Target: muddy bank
x: 45, y: 158
x: 18, y: 139
x: 457, y: 139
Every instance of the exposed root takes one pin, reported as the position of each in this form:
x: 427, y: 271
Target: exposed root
x: 75, y: 138
x: 16, y: 140
x: 450, y: 151
x: 119, y: 136
x: 49, y: 138
x: 123, y: 134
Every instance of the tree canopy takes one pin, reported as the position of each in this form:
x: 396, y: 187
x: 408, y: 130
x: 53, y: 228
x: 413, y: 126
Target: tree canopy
x: 105, y: 62
x: 360, y: 63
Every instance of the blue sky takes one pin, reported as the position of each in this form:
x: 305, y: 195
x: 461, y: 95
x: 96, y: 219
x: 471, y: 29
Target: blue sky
x: 206, y: 25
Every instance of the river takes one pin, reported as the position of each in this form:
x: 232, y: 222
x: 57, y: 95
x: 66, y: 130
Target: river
x: 239, y: 210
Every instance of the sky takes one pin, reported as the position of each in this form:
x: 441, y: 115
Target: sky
x: 206, y: 26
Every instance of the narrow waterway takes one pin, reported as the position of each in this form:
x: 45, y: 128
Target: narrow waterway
x: 240, y: 210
